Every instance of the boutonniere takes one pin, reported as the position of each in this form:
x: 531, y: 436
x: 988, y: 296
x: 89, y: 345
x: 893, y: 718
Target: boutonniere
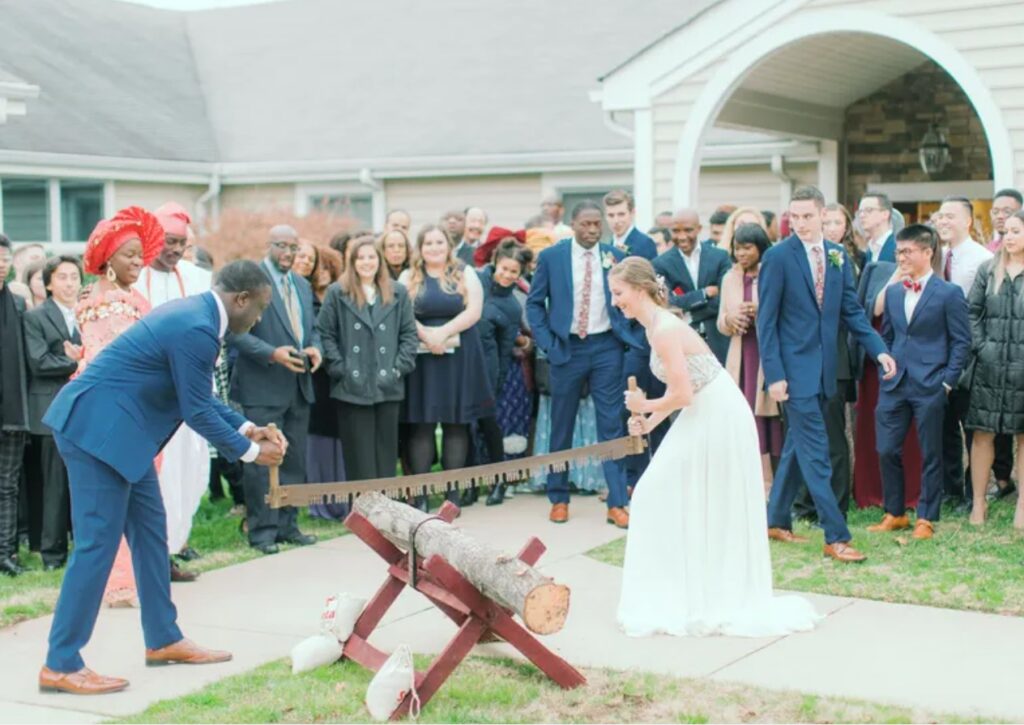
x: 836, y: 259
x: 607, y: 260
x: 678, y: 291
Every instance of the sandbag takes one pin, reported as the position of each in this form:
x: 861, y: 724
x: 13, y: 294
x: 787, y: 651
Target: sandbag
x: 340, y: 614
x: 315, y: 651
x: 390, y: 685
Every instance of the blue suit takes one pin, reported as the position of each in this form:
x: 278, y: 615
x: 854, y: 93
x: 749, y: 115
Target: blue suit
x: 797, y: 342
x: 931, y: 351
x: 638, y: 244
x: 886, y: 254
x: 109, y: 424
x: 703, y: 310
x: 550, y: 308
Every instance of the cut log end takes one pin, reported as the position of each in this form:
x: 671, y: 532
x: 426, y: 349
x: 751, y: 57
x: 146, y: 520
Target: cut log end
x: 545, y: 608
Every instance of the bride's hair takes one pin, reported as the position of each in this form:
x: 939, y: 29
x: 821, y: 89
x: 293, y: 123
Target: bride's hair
x: 638, y: 272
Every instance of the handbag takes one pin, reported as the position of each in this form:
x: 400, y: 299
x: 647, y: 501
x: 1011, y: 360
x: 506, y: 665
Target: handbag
x: 450, y: 345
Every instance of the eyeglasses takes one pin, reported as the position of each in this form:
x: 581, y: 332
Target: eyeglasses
x: 285, y: 247
x: 868, y: 209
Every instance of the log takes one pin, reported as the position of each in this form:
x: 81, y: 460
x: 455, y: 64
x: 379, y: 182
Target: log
x: 542, y: 604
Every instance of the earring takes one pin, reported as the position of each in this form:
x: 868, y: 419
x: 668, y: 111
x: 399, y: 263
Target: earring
x: 111, y: 274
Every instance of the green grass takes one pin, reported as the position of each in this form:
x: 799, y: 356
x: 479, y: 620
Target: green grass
x: 215, y: 535
x: 963, y: 567
x: 500, y: 690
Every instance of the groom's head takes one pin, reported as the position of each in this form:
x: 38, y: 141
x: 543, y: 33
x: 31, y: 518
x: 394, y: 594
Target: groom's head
x: 806, y: 211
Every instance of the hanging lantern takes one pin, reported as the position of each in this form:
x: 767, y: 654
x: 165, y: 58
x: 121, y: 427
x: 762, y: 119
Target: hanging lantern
x: 934, y: 151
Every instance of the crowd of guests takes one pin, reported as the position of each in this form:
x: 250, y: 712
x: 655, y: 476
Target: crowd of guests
x: 391, y: 353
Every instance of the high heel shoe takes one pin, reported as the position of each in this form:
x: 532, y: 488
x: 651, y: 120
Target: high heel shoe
x: 497, y: 495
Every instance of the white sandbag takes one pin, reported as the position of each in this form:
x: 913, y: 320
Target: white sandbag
x: 391, y: 684
x: 340, y: 614
x: 315, y: 651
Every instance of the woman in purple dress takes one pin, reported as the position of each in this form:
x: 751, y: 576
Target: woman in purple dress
x: 736, y: 315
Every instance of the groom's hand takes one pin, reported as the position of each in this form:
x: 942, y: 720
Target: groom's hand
x: 779, y: 391
x: 888, y: 366
x: 266, y: 433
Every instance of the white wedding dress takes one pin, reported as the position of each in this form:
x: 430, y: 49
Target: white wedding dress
x: 697, y: 560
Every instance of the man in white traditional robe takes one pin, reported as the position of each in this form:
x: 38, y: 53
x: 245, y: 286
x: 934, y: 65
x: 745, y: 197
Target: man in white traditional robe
x: 185, y: 471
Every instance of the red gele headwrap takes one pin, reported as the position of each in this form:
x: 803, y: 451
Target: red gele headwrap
x: 110, y: 234
x: 483, y: 253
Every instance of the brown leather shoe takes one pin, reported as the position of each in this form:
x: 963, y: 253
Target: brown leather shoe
x: 559, y: 513
x: 185, y: 652
x: 923, y: 529
x: 787, y: 536
x: 619, y: 517
x: 891, y: 523
x: 182, y: 575
x: 83, y: 682
x: 842, y: 551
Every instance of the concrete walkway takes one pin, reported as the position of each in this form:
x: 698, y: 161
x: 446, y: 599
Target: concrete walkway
x: 936, y: 659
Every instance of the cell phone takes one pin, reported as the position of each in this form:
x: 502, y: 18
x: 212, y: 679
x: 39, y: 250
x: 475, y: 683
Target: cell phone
x: 304, y: 359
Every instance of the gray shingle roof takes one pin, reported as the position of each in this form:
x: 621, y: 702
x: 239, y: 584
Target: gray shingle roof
x: 322, y: 79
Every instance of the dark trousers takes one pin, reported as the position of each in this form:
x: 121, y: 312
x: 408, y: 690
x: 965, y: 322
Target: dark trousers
x: 892, y: 421
x: 839, y: 457
x: 597, y: 359
x: 221, y: 470
x: 806, y: 446
x: 30, y: 495
x: 12, y: 453
x: 638, y: 365
x: 369, y: 439
x: 55, y: 514
x: 105, y: 507
x: 267, y: 525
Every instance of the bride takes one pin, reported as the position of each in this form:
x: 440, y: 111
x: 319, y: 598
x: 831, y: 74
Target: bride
x: 697, y: 560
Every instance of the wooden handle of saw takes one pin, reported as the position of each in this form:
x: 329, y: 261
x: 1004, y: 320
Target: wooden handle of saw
x: 275, y: 494
x: 637, y: 443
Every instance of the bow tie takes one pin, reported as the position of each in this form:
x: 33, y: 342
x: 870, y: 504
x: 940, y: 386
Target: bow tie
x: 912, y: 286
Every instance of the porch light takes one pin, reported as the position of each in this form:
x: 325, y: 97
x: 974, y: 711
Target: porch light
x: 934, y: 151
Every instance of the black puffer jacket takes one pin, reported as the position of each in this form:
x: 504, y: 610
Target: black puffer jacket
x: 997, y: 331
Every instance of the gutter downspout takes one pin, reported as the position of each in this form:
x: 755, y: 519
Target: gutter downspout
x: 612, y: 125
x: 211, y: 196
x: 379, y: 205
x: 778, y: 169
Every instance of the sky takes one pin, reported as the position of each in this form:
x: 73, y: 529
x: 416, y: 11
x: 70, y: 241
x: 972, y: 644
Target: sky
x: 195, y: 4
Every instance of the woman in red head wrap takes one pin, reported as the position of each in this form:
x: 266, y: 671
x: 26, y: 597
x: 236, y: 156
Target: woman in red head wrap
x: 117, y: 250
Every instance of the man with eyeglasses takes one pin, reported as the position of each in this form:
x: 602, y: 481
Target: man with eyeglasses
x: 1005, y: 204
x: 875, y: 215
x: 272, y: 381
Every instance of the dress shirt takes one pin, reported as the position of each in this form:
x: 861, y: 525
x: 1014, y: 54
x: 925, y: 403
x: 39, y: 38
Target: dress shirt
x: 996, y: 244
x: 69, y: 317
x: 876, y: 244
x: 600, y: 321
x: 692, y: 262
x: 967, y: 257
x: 911, y: 298
x: 279, y: 279
x: 620, y: 242
x: 254, y: 449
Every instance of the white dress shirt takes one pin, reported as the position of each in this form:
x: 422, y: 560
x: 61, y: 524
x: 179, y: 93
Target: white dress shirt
x: 254, y: 449
x: 620, y: 242
x: 968, y: 255
x: 599, y: 321
x: 692, y: 262
x: 911, y: 298
x: 876, y: 244
x: 69, y: 317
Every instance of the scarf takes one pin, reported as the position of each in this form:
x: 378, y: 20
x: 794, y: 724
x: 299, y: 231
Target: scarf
x: 13, y: 397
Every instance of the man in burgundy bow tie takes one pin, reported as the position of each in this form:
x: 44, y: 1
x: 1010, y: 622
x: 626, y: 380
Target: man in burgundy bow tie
x: 925, y: 325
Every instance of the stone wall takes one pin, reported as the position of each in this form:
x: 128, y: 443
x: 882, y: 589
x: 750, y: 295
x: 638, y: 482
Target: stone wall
x: 884, y: 131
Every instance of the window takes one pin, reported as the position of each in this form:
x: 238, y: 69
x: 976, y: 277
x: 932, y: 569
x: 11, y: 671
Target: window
x: 81, y: 208
x: 355, y: 206
x: 26, y: 204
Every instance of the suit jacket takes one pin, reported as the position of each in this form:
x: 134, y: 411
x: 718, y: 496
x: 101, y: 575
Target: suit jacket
x: 131, y: 399
x: 932, y: 348
x: 873, y: 279
x: 703, y: 310
x: 256, y: 379
x: 639, y: 244
x: 465, y: 253
x: 48, y: 366
x: 797, y: 339
x: 886, y: 254
x: 550, y: 304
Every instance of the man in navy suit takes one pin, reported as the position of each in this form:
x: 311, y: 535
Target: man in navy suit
x: 875, y: 215
x: 926, y: 326
x: 805, y: 286
x: 693, y: 272
x: 272, y: 380
x: 109, y: 424
x: 584, y: 336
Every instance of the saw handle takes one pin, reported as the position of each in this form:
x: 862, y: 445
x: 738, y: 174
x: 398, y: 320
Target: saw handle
x: 637, y: 443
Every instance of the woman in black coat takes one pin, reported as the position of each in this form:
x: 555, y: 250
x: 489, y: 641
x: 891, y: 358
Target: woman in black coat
x: 369, y: 339
x: 996, y: 371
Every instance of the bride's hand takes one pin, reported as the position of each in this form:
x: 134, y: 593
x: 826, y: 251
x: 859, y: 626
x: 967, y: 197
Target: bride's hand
x: 635, y: 400
x: 638, y: 425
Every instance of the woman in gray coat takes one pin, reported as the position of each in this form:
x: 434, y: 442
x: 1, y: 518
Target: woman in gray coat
x: 369, y: 340
x: 996, y: 372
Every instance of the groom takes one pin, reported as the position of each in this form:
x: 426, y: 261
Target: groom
x: 805, y: 286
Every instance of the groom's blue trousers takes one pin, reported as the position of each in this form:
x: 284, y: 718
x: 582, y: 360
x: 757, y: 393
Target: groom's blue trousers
x: 103, y: 507
x: 807, y: 447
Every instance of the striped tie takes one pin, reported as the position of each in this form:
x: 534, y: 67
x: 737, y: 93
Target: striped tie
x: 291, y: 305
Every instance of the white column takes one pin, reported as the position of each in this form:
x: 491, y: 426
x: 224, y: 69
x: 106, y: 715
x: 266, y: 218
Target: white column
x: 643, y: 166
x: 56, y: 233
x: 109, y: 199
x: 828, y: 169
x: 1, y: 206
x: 379, y: 206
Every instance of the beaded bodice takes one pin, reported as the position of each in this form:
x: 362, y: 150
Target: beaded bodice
x: 703, y: 368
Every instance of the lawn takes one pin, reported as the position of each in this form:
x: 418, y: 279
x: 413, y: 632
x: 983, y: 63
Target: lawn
x: 501, y: 690
x: 961, y: 568
x: 215, y: 535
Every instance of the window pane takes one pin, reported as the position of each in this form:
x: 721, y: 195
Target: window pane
x: 358, y: 207
x: 81, y: 208
x: 25, y: 203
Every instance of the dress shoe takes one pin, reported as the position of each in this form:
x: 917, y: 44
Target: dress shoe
x: 891, y: 523
x: 185, y: 652
x: 1007, y: 489
x: 188, y: 554
x: 266, y: 548
x: 842, y: 551
x: 421, y: 503
x: 496, y: 496
x: 297, y: 539
x: 83, y: 682
x: 923, y: 529
x: 54, y: 565
x: 787, y: 536
x: 11, y: 567
x: 468, y: 498
x: 619, y: 517
x: 182, y: 575
x: 559, y: 513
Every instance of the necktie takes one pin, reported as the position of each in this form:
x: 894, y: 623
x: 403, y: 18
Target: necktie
x: 912, y: 286
x: 819, y: 276
x: 947, y: 270
x: 291, y: 305
x: 583, y: 314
